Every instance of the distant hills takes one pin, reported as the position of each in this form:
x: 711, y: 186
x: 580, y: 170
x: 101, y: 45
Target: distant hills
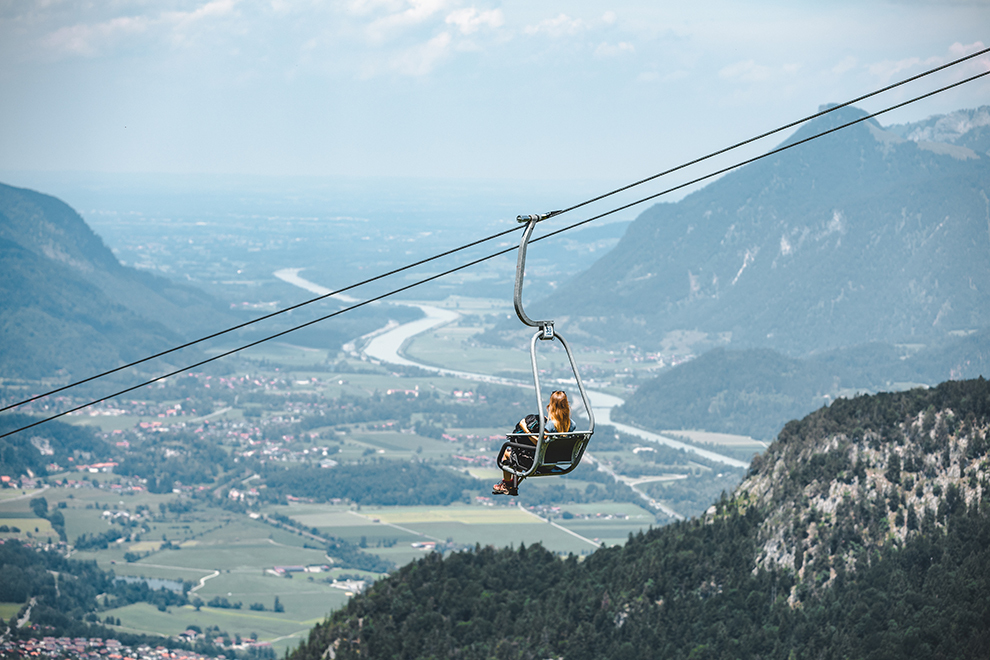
x: 756, y: 391
x: 963, y: 128
x: 861, y: 236
x: 69, y: 308
x: 860, y: 533
x: 857, y: 262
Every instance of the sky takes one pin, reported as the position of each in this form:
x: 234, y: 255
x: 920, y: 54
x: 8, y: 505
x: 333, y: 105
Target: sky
x: 546, y: 90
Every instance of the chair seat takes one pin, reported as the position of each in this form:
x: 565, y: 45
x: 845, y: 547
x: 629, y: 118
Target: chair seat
x: 562, y: 453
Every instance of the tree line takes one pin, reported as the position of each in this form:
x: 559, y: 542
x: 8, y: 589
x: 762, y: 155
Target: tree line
x: 694, y: 590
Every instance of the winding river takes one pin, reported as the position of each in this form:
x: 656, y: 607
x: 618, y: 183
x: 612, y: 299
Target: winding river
x: 386, y: 344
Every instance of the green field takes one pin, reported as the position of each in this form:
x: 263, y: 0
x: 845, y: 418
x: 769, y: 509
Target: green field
x: 284, y: 630
x: 229, y: 556
x: 500, y: 525
x: 121, y: 422
x: 38, y: 528
x: 290, y: 356
x: 12, y: 493
x: 224, y: 552
x: 452, y: 346
x: 737, y: 446
x: 9, y: 610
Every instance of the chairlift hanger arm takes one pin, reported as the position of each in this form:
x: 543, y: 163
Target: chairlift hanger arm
x: 545, y: 326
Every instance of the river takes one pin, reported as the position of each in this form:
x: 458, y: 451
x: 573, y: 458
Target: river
x: 386, y: 346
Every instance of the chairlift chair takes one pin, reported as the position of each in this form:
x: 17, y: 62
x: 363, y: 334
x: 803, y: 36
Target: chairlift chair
x: 556, y: 453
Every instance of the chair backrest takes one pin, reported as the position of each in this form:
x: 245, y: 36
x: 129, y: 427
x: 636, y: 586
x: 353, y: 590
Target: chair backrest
x: 561, y: 453
x: 561, y: 448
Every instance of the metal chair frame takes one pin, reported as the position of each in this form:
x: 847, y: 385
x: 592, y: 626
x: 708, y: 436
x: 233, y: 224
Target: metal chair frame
x: 554, y: 453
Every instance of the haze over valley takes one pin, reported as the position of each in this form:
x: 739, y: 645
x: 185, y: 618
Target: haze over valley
x: 259, y: 352
x: 313, y: 421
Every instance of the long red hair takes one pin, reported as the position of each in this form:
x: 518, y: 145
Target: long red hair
x: 559, y: 411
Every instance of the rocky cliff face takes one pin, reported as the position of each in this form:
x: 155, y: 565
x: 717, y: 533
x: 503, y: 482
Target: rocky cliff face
x: 963, y: 128
x: 862, y: 533
x: 866, y: 473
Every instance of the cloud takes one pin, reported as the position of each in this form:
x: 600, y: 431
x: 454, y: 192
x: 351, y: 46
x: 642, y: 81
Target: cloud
x: 181, y: 22
x: 608, y: 50
x: 885, y: 70
x: 84, y: 39
x: 420, y: 60
x: 846, y: 64
x: 560, y: 26
x: 411, y: 13
x: 362, y: 7
x: 88, y: 39
x: 209, y: 10
x: 957, y: 49
x: 469, y: 20
x: 890, y: 68
x: 748, y: 71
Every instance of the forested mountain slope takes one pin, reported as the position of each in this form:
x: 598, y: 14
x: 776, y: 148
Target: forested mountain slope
x: 756, y: 391
x: 863, y: 531
x: 67, y: 303
x: 860, y: 236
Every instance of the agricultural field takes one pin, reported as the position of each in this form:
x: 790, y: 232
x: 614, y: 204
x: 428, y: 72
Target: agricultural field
x: 18, y: 520
x: 390, y: 531
x: 467, y: 353
x: 742, y: 447
x: 221, y: 553
x: 455, y: 346
x: 231, y: 555
x: 9, y: 610
x: 209, y: 467
x: 30, y: 527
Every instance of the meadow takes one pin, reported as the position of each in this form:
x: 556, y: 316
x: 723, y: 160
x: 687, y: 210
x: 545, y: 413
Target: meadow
x: 229, y: 551
x: 485, y: 523
x: 230, y: 555
x: 742, y: 447
x: 9, y: 610
x: 15, y: 511
x: 454, y: 346
x: 222, y: 553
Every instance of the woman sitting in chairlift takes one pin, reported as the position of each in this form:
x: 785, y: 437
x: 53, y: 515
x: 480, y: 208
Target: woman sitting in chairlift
x: 558, y: 420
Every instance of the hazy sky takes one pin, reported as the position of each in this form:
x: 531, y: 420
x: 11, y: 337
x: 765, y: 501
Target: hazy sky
x: 448, y: 88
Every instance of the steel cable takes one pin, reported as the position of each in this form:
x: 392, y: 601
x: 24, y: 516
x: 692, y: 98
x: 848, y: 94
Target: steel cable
x: 481, y: 259
x: 778, y: 130
x: 497, y: 235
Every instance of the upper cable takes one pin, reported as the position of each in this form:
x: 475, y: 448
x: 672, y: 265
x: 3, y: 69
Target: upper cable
x: 521, y: 218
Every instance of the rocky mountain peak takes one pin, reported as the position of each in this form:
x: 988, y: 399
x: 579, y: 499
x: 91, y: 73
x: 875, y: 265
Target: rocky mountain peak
x: 967, y: 128
x: 867, y: 472
x: 859, y: 236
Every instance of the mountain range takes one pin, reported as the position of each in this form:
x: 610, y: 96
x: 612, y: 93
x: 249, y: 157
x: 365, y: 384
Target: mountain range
x: 69, y: 308
x: 862, y: 532
x: 964, y: 128
x: 860, y: 236
x: 756, y: 391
